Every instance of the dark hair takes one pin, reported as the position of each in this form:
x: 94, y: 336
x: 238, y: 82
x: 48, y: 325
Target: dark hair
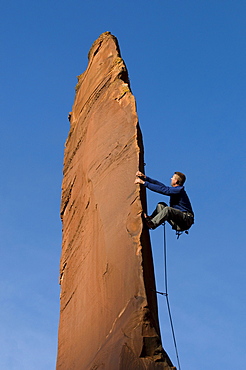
x: 181, y: 178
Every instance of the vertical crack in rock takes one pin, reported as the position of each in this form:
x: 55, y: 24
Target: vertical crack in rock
x: 108, y: 307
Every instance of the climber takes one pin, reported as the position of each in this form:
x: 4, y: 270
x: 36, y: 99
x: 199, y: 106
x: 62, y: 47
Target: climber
x: 179, y: 214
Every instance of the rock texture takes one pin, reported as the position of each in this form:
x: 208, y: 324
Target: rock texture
x: 108, y: 312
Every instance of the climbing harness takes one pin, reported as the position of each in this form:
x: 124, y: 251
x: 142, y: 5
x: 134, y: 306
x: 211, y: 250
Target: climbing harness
x: 166, y: 294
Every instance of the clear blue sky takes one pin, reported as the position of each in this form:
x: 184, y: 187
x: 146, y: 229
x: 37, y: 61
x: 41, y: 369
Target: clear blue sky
x: 186, y: 61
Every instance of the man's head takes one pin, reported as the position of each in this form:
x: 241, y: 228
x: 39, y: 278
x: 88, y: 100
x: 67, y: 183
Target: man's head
x: 178, y: 179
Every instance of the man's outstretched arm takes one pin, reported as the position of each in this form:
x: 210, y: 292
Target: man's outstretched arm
x: 155, y: 185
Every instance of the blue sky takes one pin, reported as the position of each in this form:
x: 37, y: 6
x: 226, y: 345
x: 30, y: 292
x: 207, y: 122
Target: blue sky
x: 186, y: 62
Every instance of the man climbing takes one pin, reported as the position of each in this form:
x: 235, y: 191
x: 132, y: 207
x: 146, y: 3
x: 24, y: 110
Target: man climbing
x: 179, y: 214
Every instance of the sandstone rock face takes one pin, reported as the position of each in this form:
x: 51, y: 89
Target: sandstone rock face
x: 108, y: 311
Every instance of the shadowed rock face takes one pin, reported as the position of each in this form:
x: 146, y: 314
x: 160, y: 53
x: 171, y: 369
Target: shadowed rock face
x: 108, y: 312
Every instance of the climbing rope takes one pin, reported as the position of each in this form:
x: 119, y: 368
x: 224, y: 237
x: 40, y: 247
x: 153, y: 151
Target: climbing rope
x: 166, y: 295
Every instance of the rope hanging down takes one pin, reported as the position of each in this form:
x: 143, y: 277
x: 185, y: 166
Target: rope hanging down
x: 166, y: 295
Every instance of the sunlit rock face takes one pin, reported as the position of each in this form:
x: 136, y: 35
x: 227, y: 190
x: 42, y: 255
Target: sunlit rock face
x: 108, y: 310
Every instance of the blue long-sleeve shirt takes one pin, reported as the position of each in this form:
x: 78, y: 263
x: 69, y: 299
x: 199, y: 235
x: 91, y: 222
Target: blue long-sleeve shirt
x: 178, y: 196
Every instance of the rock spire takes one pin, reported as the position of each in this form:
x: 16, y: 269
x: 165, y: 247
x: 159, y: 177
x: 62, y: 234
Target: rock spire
x: 108, y: 309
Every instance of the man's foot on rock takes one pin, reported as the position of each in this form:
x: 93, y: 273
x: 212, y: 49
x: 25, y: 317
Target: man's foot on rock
x: 146, y: 216
x: 148, y: 222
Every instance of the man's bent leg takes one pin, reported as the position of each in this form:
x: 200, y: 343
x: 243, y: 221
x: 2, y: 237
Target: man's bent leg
x: 167, y: 213
x: 161, y: 214
x: 160, y: 206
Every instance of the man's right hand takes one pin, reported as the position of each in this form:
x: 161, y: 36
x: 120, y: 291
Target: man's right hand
x: 140, y: 174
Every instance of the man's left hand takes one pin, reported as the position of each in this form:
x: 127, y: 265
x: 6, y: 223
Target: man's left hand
x: 139, y: 181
